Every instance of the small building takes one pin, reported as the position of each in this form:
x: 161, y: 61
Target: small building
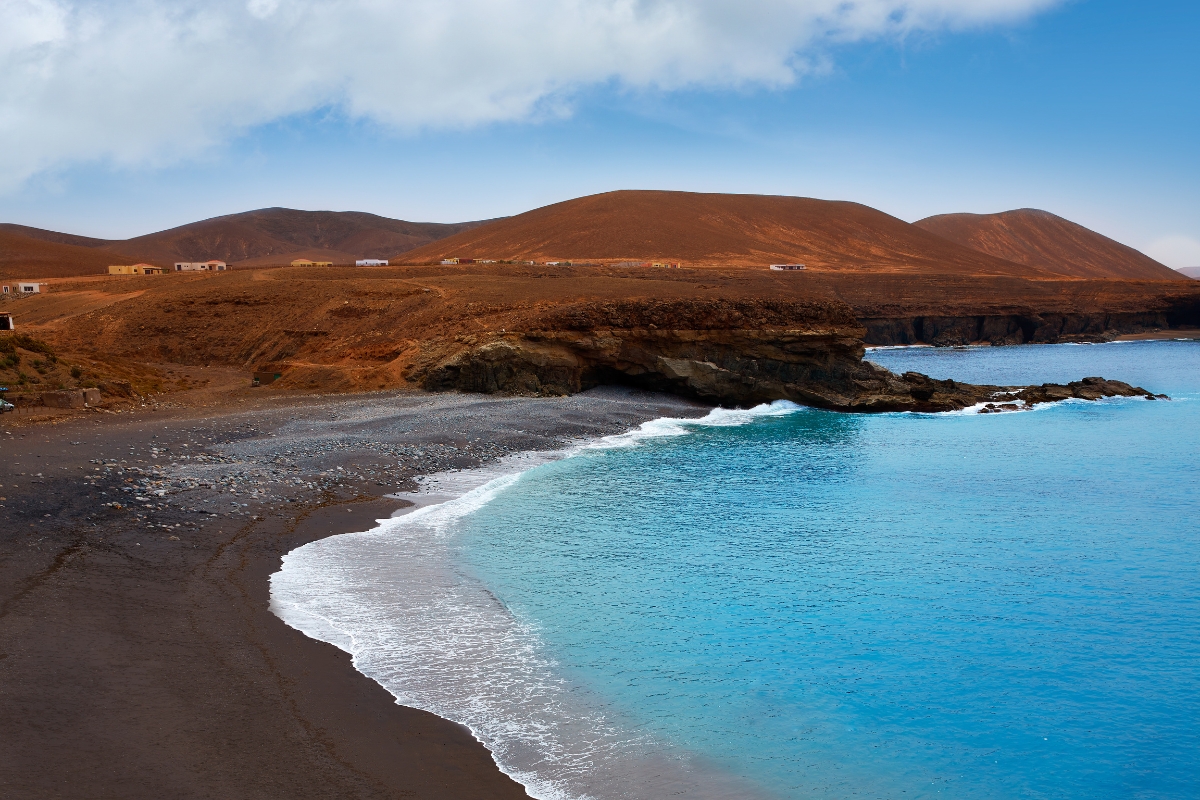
x: 449, y: 261
x: 264, y: 377
x: 29, y: 288
x: 6, y: 322
x: 201, y: 266
x: 786, y: 267
x: 304, y: 262
x: 134, y: 269
x: 371, y: 262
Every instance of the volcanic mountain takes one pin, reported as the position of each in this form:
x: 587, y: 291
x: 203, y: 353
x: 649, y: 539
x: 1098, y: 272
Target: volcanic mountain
x: 1191, y: 272
x: 720, y: 229
x: 1045, y: 241
x: 265, y: 236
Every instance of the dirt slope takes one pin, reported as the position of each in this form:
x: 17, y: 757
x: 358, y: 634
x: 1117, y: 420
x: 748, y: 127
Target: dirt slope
x: 24, y: 257
x: 1046, y: 241
x: 268, y: 236
x: 739, y: 230
x: 337, y: 329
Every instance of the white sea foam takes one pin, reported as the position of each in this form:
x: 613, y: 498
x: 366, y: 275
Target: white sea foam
x: 437, y: 639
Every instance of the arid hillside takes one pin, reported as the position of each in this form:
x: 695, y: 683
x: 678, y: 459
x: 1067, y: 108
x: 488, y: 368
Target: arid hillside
x: 338, y: 329
x: 24, y: 257
x: 269, y: 236
x: 1191, y: 272
x: 1049, y: 242
x: 719, y: 229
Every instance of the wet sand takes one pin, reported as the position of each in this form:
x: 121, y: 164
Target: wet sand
x: 138, y: 654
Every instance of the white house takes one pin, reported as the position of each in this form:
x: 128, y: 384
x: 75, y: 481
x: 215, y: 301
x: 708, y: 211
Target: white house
x: 786, y: 267
x: 371, y: 262
x: 201, y: 266
x: 29, y: 288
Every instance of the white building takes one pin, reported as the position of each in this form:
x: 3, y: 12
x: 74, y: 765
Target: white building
x: 786, y: 267
x: 371, y: 262
x: 29, y: 288
x: 201, y: 266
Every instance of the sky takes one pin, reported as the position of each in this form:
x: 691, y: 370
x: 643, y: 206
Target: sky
x: 122, y: 117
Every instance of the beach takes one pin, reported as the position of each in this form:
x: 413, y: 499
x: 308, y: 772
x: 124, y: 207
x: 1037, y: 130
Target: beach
x: 139, y: 656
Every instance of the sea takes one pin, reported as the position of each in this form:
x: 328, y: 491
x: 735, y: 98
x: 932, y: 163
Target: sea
x: 783, y: 602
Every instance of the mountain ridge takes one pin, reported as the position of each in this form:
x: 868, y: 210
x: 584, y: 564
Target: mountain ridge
x: 718, y: 229
x: 263, y: 236
x: 1047, y: 241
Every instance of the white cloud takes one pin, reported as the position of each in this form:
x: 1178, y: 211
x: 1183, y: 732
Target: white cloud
x: 1175, y: 251
x: 145, y: 81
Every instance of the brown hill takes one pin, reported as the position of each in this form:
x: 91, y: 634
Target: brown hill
x: 719, y: 229
x: 24, y: 257
x: 264, y: 237
x: 51, y: 236
x: 279, y: 232
x: 1041, y: 239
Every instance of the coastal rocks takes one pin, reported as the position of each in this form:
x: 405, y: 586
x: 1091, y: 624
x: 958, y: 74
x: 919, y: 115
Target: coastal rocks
x: 1015, y: 398
x: 1006, y: 329
x: 816, y: 362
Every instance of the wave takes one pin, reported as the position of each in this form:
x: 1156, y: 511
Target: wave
x: 394, y: 598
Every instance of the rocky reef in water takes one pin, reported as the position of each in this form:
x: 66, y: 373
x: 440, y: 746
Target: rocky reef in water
x: 731, y: 353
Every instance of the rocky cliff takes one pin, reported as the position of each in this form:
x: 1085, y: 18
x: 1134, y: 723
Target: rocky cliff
x: 809, y: 354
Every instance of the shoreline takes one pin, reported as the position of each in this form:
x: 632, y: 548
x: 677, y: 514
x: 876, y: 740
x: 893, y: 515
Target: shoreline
x: 163, y: 672
x: 302, y: 583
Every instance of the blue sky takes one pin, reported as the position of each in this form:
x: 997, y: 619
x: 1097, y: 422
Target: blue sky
x: 1089, y: 109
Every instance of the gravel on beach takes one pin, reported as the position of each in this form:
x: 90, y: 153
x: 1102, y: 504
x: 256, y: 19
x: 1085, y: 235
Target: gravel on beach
x: 138, y: 655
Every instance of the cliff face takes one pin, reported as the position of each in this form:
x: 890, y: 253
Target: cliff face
x: 1004, y: 329
x: 818, y: 364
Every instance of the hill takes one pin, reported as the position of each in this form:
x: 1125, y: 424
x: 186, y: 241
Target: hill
x: 719, y: 229
x: 25, y: 257
x: 263, y: 237
x: 1191, y: 272
x: 279, y: 234
x: 1049, y: 242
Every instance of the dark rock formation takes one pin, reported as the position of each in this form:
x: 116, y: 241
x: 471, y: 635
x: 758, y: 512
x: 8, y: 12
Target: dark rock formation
x: 816, y: 360
x: 1023, y: 328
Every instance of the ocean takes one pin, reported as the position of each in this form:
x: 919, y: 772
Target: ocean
x: 784, y: 602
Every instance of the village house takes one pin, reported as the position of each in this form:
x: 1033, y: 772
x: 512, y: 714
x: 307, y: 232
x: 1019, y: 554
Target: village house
x: 29, y: 288
x: 371, y: 262
x: 304, y: 262
x: 134, y: 269
x: 786, y: 267
x: 201, y: 266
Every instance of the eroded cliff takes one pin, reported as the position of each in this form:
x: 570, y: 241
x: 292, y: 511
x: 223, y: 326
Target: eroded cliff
x: 807, y: 353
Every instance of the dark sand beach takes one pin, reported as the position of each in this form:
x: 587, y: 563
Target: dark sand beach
x: 138, y: 654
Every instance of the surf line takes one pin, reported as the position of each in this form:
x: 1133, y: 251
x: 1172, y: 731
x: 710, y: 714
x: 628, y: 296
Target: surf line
x: 393, y: 598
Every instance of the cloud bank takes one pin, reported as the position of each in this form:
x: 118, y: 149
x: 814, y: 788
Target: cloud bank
x: 151, y: 81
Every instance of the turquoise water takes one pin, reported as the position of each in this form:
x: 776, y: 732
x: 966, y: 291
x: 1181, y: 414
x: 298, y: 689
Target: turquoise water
x: 973, y: 606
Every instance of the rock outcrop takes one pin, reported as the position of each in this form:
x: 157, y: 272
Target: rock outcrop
x: 811, y: 355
